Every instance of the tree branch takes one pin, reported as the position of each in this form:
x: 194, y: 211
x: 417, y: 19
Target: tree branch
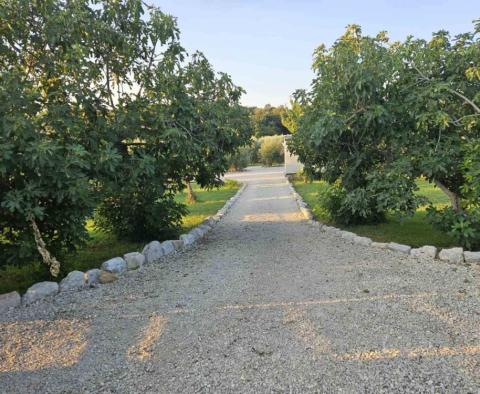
x: 453, y: 197
x: 107, y: 72
x: 48, y: 259
x: 457, y: 122
x: 466, y: 99
x: 149, y: 66
x: 453, y: 91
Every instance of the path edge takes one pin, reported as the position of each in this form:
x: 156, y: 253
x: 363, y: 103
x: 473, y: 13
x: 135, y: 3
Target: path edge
x: 424, y: 253
x: 114, y: 268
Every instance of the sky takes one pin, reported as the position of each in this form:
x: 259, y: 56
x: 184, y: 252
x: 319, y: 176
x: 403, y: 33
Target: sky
x: 267, y: 45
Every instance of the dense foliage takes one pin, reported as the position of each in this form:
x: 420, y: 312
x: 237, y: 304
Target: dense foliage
x: 266, y: 151
x: 292, y: 115
x: 381, y: 114
x: 102, y: 107
x: 268, y: 121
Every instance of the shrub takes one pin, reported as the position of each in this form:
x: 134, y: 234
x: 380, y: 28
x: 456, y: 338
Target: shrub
x: 230, y: 184
x: 271, y: 150
x: 256, y: 151
x: 242, y: 158
x: 349, y: 208
x: 463, y: 226
x: 146, y: 217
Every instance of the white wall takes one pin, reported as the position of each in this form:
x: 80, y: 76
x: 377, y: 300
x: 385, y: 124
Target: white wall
x: 292, y: 165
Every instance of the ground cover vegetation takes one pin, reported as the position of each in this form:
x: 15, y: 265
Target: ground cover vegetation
x: 103, y: 115
x: 380, y: 115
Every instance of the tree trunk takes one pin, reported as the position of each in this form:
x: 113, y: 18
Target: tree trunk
x: 191, y: 197
x: 48, y: 259
x: 454, y: 198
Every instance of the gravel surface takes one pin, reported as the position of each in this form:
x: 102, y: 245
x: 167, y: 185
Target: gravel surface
x: 266, y: 303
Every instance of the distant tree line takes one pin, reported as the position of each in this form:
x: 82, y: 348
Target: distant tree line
x: 268, y: 121
x: 268, y: 125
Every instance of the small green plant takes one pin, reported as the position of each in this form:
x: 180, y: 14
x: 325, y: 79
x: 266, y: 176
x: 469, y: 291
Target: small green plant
x: 463, y: 227
x: 142, y: 218
x: 230, y: 184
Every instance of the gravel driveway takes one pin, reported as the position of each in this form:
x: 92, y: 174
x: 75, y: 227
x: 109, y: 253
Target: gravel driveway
x: 266, y: 303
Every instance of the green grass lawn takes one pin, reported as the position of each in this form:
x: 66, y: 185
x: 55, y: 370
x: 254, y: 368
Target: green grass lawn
x: 414, y: 231
x: 208, y: 203
x: 102, y: 246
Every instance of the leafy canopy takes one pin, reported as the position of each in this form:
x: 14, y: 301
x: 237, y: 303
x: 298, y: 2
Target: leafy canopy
x: 381, y: 114
x: 103, y: 110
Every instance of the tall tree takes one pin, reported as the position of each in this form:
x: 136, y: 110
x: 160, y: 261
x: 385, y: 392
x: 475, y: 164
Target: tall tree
x: 380, y: 114
x: 100, y: 104
x: 348, y: 124
x: 53, y: 135
x: 441, y: 80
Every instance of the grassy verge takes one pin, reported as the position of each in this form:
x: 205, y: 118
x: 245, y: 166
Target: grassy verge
x: 414, y: 231
x: 102, y: 246
x: 208, y: 203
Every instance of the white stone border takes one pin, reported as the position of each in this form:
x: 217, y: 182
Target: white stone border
x: 110, y: 270
x: 425, y: 253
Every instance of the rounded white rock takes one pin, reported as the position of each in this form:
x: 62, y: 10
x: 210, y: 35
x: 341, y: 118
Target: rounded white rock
x: 39, y: 291
x: 134, y: 260
x: 452, y: 255
x: 117, y: 265
x: 75, y: 280
x: 153, y: 252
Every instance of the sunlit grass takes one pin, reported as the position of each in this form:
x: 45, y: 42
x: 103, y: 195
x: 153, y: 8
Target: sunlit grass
x: 208, y: 203
x: 103, y: 245
x: 414, y: 231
